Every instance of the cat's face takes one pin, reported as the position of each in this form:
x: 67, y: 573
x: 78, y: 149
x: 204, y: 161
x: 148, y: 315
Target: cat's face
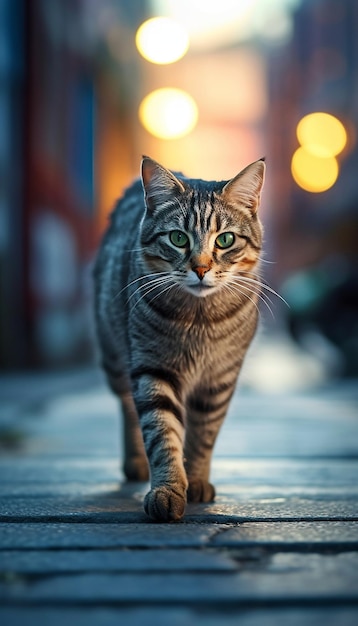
x: 200, y: 235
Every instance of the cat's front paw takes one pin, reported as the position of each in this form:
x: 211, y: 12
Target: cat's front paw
x: 200, y: 490
x: 163, y: 504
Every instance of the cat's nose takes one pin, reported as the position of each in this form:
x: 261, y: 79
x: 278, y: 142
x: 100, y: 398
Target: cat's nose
x: 201, y: 270
x: 200, y: 264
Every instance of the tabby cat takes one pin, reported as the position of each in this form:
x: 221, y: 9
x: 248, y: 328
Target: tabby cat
x: 176, y: 290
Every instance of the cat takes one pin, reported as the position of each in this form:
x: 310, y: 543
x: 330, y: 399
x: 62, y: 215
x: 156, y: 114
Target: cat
x: 176, y: 302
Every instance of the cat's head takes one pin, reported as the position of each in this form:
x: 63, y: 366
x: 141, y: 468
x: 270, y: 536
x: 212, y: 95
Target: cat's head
x: 202, y: 234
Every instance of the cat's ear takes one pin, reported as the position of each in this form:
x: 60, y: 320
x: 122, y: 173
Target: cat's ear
x: 159, y: 184
x: 245, y: 188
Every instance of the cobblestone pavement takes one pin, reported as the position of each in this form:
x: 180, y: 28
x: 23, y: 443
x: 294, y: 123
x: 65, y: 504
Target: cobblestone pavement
x: 278, y: 546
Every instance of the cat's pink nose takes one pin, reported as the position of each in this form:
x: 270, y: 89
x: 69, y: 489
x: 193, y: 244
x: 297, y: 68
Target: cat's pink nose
x: 201, y: 270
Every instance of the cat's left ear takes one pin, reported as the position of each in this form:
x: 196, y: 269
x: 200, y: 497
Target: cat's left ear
x: 159, y: 184
x: 245, y: 188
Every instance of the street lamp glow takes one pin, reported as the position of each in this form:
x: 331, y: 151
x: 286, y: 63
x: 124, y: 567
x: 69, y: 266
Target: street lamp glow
x: 162, y: 40
x: 168, y: 113
x: 322, y: 134
x: 313, y: 173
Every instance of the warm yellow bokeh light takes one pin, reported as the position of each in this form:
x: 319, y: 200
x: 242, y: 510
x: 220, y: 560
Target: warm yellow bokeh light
x: 162, y: 40
x: 168, y: 113
x: 313, y: 173
x: 322, y: 134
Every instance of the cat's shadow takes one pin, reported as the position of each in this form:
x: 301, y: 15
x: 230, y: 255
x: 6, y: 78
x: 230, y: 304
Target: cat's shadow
x: 124, y: 504
x: 122, y: 500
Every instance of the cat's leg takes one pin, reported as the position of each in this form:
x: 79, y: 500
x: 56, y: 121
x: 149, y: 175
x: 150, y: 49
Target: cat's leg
x: 135, y: 464
x: 161, y: 416
x: 135, y: 459
x: 205, y: 413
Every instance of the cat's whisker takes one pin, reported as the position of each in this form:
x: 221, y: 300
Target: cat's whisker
x: 151, y: 276
x: 245, y: 291
x: 261, y: 285
x: 150, y: 283
x: 166, y: 289
x: 238, y: 288
x: 260, y: 258
x: 146, y: 276
x: 151, y: 298
x: 235, y: 288
x: 263, y: 297
x: 152, y: 288
x: 256, y: 286
x: 149, y: 286
x: 140, y: 249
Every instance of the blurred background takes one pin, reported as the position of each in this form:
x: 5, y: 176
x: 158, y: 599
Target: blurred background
x: 204, y: 87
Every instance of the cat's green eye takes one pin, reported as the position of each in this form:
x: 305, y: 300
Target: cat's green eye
x: 225, y: 240
x: 178, y: 238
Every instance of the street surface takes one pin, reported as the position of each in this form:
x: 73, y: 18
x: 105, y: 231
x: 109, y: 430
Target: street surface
x: 278, y: 546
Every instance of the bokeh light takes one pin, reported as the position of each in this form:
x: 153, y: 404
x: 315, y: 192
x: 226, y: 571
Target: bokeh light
x: 321, y: 134
x: 168, y: 113
x: 162, y: 40
x: 217, y: 23
x: 313, y: 173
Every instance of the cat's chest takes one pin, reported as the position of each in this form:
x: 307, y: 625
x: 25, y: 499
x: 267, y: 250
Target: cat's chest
x: 204, y: 343
x: 188, y: 338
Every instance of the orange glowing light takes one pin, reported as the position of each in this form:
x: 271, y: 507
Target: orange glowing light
x: 322, y: 134
x: 162, y: 40
x: 314, y: 173
x: 168, y: 113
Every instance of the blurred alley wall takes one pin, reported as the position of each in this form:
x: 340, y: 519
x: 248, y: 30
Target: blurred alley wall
x: 81, y: 100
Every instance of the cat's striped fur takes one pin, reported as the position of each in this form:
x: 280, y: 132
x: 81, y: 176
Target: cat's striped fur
x: 176, y: 307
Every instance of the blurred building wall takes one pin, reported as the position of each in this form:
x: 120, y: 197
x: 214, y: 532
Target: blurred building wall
x: 66, y: 154
x: 316, y: 71
x: 12, y: 127
x: 48, y: 198
x: 313, y: 236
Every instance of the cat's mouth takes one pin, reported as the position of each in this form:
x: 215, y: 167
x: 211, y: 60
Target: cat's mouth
x: 200, y: 289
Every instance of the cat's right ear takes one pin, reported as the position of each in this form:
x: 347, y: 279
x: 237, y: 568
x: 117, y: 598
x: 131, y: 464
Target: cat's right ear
x: 159, y: 184
x: 245, y: 188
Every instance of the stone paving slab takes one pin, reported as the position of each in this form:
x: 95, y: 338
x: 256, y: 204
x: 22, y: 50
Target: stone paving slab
x: 226, y: 492
x: 62, y: 470
x: 236, y: 471
x: 281, y: 576
x: 108, y: 507
x: 276, y: 509
x: 115, y: 560
x: 34, y: 535
x: 279, y: 535
x: 179, y: 616
x: 330, y: 535
x: 33, y: 564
